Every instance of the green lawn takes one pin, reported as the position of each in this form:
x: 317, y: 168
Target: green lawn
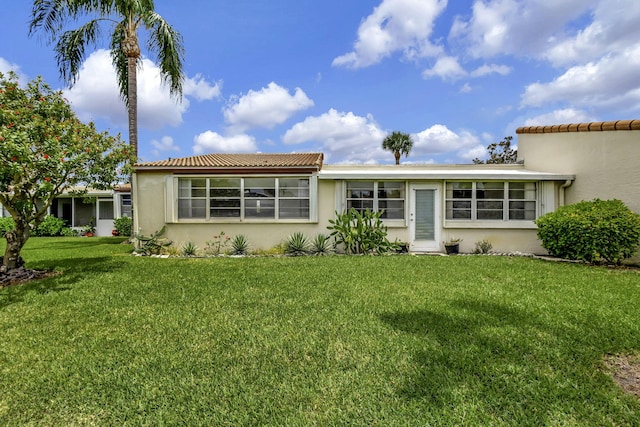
x: 388, y: 341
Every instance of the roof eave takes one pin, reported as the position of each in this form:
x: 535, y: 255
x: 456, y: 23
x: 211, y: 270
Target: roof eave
x: 448, y: 175
x: 228, y: 171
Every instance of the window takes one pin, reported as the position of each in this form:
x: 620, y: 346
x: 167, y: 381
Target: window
x: 225, y: 197
x: 244, y: 198
x: 125, y: 205
x: 259, y: 197
x: 491, y: 201
x: 522, y: 201
x: 293, y: 198
x: 385, y: 196
x: 192, y: 198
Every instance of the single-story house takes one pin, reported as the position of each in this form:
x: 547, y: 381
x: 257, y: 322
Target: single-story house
x: 267, y: 197
x: 99, y: 207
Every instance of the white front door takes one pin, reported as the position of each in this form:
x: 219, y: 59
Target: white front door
x: 104, y: 224
x: 424, y: 219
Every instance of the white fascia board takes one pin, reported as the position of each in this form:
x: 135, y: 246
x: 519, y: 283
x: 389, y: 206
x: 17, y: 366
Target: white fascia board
x: 443, y: 174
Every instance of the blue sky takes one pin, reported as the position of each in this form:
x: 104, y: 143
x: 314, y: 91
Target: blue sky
x: 336, y: 76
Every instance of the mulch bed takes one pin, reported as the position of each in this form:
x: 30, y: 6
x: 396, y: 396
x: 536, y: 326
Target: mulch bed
x: 22, y: 275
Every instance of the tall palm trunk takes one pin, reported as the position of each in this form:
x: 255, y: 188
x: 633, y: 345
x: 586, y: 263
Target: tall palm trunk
x: 132, y: 107
x: 132, y: 52
x: 131, y: 49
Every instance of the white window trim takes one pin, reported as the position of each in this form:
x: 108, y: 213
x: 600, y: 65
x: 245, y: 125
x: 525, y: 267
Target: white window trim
x: 504, y: 223
x: 171, y: 201
x: 341, y: 199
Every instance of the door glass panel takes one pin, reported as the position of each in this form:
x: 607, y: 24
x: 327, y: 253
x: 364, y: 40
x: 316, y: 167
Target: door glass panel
x: 106, y: 209
x: 425, y: 215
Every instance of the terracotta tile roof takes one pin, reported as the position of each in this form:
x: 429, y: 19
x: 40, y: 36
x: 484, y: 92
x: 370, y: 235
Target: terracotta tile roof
x: 244, y: 162
x: 583, y: 127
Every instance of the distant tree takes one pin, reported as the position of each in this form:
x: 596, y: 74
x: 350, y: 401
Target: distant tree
x: 398, y: 143
x: 125, y: 17
x: 45, y: 150
x: 500, y: 152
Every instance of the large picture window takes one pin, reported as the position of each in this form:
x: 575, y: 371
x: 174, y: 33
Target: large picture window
x: 387, y: 197
x: 491, y: 201
x: 244, y: 198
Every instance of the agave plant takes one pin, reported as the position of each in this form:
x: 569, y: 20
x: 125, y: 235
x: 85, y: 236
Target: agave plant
x: 297, y: 244
x: 321, y: 245
x: 240, y: 245
x: 189, y: 249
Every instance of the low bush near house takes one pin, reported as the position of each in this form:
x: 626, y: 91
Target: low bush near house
x: 240, y: 245
x: 276, y: 250
x: 123, y: 225
x: 361, y: 233
x: 321, y: 245
x: 297, y: 244
x: 50, y: 227
x: 592, y: 231
x: 218, y: 245
x: 153, y: 244
x: 482, y: 247
x: 189, y: 249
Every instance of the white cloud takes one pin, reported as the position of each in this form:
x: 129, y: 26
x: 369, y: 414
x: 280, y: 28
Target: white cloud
x: 447, y: 68
x: 201, y: 89
x: 166, y: 143
x: 516, y: 27
x: 438, y: 139
x: 611, y: 82
x: 395, y: 25
x: 614, y: 28
x: 466, y: 88
x: 212, y: 142
x: 270, y: 106
x: 6, y: 66
x: 341, y: 135
x: 487, y: 69
x: 558, y: 117
x: 476, y: 152
x: 96, y: 94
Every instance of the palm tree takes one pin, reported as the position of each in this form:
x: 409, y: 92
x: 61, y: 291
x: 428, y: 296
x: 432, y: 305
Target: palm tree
x: 398, y: 143
x: 127, y: 16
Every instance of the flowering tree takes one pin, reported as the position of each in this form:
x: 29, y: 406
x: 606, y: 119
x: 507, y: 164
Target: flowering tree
x: 45, y: 150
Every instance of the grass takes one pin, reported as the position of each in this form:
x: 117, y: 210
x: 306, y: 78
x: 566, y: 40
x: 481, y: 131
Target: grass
x: 403, y: 340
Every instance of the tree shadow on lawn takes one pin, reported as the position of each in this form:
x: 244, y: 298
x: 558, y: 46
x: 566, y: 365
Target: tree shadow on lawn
x: 67, y: 273
x: 82, y: 242
x: 505, y: 363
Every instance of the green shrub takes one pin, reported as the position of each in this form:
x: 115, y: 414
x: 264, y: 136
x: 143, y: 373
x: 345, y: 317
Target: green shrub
x: 297, y: 244
x: 50, y: 227
x: 278, y: 249
x: 592, y: 231
x: 6, y: 225
x: 239, y: 245
x: 153, y: 244
x: 218, y: 245
x: 361, y: 233
x: 189, y: 249
x: 483, y: 247
x: 321, y: 245
x: 123, y: 225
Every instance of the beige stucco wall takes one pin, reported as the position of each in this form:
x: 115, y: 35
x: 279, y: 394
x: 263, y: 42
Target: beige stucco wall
x: 605, y: 163
x: 150, y: 208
